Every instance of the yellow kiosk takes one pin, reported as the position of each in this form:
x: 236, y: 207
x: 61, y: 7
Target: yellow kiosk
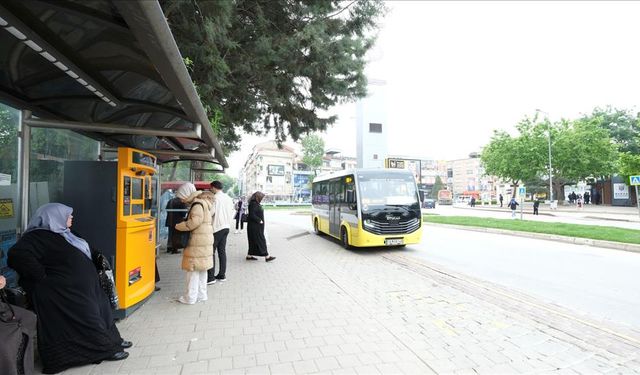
x: 112, y: 205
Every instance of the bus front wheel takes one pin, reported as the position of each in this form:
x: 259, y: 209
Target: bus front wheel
x: 344, y: 238
x: 316, y: 230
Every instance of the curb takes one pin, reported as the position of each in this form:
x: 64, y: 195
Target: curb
x: 549, y: 237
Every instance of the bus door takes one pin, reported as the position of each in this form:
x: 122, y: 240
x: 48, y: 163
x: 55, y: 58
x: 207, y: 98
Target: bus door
x: 334, y: 208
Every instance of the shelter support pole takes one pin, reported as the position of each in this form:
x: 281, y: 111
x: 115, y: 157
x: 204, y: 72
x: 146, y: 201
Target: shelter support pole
x: 24, y: 153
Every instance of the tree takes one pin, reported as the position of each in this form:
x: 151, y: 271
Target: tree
x: 8, y: 143
x: 228, y: 182
x: 629, y: 165
x: 581, y: 149
x: 313, y: 151
x: 262, y: 65
x: 437, y: 186
x: 622, y: 124
x: 516, y: 159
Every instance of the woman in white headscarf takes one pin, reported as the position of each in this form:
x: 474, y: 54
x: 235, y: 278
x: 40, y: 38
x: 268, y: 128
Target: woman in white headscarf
x: 198, y: 255
x: 75, y: 324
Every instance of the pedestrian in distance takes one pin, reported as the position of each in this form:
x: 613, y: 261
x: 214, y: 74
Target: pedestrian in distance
x: 536, y: 205
x: 197, y: 257
x: 473, y: 201
x: 255, y: 229
x: 513, y: 205
x: 222, y: 214
x: 501, y: 198
x: 241, y: 209
x: 587, y: 197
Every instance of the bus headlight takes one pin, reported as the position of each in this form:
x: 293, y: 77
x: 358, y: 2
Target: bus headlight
x: 368, y: 223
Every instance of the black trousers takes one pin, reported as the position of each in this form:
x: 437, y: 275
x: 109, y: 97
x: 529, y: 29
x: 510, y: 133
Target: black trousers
x: 219, y: 244
x: 239, y: 222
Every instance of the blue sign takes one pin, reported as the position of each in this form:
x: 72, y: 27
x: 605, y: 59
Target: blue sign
x: 635, y: 180
x: 522, y: 190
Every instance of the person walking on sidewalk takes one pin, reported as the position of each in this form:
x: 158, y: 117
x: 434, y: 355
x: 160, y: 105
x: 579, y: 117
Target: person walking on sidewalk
x: 513, y: 205
x: 240, y: 211
x: 255, y: 229
x: 222, y: 214
x: 501, y: 199
x: 197, y: 257
x: 536, y: 205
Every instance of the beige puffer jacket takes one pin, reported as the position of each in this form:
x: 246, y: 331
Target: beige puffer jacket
x: 198, y: 256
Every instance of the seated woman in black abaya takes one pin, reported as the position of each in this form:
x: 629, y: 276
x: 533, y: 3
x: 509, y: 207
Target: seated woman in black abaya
x: 75, y: 324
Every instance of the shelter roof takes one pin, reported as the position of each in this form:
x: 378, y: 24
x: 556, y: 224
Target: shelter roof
x: 109, y: 69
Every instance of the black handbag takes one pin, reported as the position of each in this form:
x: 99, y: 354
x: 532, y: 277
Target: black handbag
x: 245, y: 218
x: 6, y: 311
x: 105, y: 276
x: 16, y: 296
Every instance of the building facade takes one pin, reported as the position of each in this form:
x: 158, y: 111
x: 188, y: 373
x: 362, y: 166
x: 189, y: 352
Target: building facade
x: 269, y: 169
x: 372, y: 127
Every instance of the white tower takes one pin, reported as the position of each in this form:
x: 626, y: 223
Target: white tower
x: 371, y: 125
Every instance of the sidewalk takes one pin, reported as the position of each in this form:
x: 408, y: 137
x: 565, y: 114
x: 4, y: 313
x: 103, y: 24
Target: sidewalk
x: 321, y: 309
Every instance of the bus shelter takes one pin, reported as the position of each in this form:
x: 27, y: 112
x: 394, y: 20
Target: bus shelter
x: 78, y: 81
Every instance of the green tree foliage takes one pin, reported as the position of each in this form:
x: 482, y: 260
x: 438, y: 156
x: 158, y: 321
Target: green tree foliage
x: 437, y: 186
x: 582, y: 149
x: 8, y: 143
x: 516, y: 158
x: 312, y: 151
x: 629, y: 165
x: 228, y: 182
x: 262, y: 65
x: 622, y: 124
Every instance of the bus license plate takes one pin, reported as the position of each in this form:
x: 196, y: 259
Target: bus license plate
x: 393, y: 241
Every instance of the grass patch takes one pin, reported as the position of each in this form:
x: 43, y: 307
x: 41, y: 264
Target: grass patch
x: 571, y: 230
x: 268, y: 206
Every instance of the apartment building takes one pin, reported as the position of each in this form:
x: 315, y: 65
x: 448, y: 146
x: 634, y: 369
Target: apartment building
x: 270, y: 169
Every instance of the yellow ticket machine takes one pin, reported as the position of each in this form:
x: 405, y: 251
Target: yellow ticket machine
x: 112, y: 205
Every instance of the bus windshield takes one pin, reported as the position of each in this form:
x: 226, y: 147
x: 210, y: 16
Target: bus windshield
x: 388, y: 191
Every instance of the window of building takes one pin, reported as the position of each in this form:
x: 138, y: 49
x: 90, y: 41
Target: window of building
x: 375, y: 127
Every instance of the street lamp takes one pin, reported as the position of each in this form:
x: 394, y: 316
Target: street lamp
x: 546, y: 117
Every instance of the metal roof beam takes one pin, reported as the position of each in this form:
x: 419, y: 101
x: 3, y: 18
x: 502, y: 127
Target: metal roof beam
x: 113, y: 128
x: 14, y: 25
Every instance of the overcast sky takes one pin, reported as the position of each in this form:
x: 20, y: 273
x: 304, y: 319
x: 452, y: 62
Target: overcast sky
x: 457, y: 70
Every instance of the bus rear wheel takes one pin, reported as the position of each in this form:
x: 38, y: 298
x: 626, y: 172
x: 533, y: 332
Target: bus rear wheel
x: 344, y: 238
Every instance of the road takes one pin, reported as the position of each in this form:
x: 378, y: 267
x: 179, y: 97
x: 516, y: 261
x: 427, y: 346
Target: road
x: 601, y: 283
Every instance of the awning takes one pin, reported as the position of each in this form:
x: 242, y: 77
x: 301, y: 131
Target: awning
x: 110, y: 70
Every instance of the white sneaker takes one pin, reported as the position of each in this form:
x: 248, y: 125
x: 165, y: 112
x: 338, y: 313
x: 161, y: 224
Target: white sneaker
x: 237, y: 231
x: 211, y: 282
x: 184, y: 301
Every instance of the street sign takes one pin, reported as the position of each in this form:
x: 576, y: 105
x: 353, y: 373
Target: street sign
x: 523, y: 190
x: 635, y: 180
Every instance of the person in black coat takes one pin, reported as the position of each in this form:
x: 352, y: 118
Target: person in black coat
x: 56, y: 268
x: 178, y: 212
x: 255, y: 229
x: 17, y: 332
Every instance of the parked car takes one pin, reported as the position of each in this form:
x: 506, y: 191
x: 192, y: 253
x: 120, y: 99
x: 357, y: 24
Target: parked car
x: 429, y: 203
